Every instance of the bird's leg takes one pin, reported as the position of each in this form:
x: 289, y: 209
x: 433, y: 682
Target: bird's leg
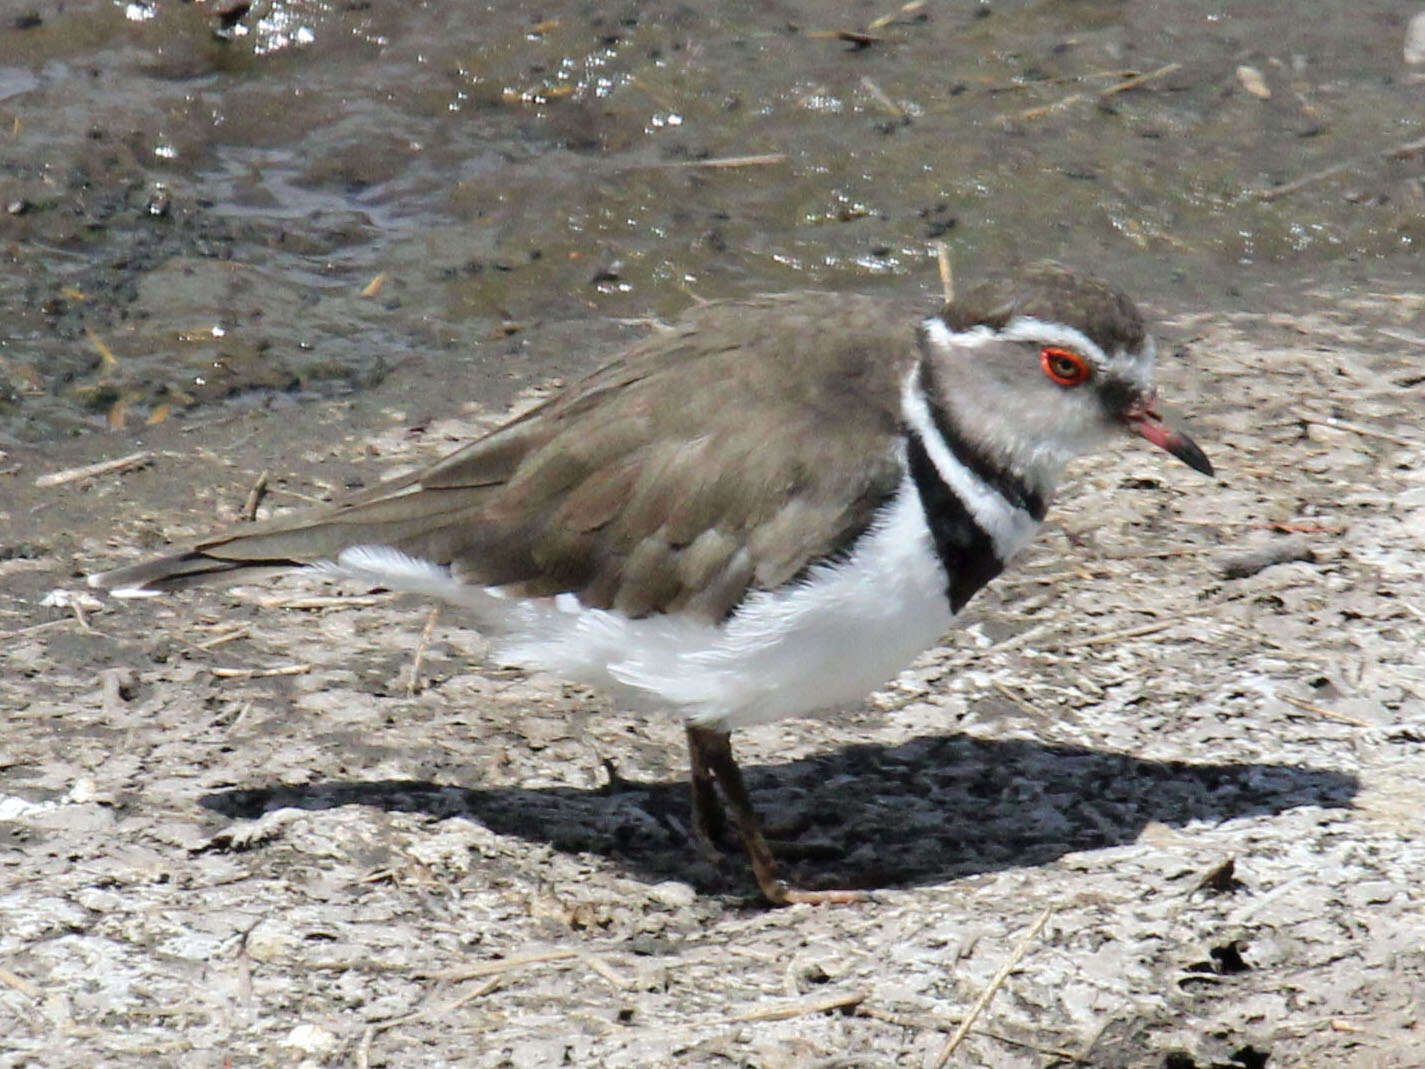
x: 712, y: 751
x: 709, y: 820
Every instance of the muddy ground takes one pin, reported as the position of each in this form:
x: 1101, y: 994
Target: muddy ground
x: 235, y: 833
x: 258, y: 827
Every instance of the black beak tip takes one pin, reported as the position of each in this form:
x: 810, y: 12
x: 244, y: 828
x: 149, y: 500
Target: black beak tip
x: 1189, y: 453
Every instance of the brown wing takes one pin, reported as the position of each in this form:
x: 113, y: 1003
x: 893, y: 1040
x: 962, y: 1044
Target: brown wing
x: 723, y: 455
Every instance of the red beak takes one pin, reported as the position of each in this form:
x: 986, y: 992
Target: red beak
x: 1143, y: 419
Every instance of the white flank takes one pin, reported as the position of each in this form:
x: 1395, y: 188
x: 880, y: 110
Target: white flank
x: 388, y: 567
x: 98, y: 579
x: 823, y: 642
x: 1009, y: 527
x: 127, y: 591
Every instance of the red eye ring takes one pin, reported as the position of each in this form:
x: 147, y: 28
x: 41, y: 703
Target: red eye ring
x: 1064, y: 366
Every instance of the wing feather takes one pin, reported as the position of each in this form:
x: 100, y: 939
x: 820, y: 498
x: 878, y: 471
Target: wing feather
x: 679, y: 477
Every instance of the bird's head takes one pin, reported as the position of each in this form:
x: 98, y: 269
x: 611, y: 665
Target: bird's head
x: 1047, y: 364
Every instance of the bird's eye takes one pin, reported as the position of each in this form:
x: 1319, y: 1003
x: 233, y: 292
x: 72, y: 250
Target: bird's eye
x: 1064, y: 366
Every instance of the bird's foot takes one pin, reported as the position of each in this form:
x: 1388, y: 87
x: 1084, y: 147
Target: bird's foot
x: 778, y: 893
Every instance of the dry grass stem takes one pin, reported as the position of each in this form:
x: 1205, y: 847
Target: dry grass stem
x: 1408, y: 149
x: 856, y: 37
x: 413, y: 685
x: 1139, y: 79
x: 880, y: 22
x: 437, y: 1010
x: 308, y: 498
x: 1287, y: 188
x: 1365, y: 432
x: 926, y: 1023
x: 321, y: 601
x: 1047, y: 109
x: 1321, y: 710
x: 20, y: 984
x: 261, y: 673
x: 254, y: 498
x: 608, y: 972
x: 947, y: 271
x: 1074, y: 98
x: 882, y: 98
x: 1402, y: 151
x: 105, y: 353
x: 504, y: 965
x: 1143, y: 629
x: 237, y: 633
x: 764, y: 160
x: 102, y: 467
x: 784, y: 1011
x: 996, y: 982
x: 1400, y: 335
x: 35, y: 627
x: 1020, y: 703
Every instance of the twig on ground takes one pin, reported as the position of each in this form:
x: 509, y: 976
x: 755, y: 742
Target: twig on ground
x: 854, y: 37
x: 1409, y: 148
x: 1074, y: 98
x: 1365, y: 432
x: 503, y: 965
x: 882, y: 98
x: 228, y: 636
x: 434, y: 1009
x: 413, y: 685
x: 996, y: 982
x: 261, y: 673
x: 254, y: 498
x: 608, y: 972
x: 723, y: 162
x: 1287, y: 188
x: 783, y: 1011
x: 1142, y: 629
x: 947, y: 271
x: 1127, y: 632
x: 1139, y: 79
x: 20, y: 984
x: 1402, y: 151
x: 926, y: 1023
x: 106, y: 354
x: 35, y: 627
x: 308, y: 498
x: 1400, y: 335
x: 1321, y: 710
x: 880, y: 22
x: 1020, y: 703
x: 102, y: 467
x: 319, y: 601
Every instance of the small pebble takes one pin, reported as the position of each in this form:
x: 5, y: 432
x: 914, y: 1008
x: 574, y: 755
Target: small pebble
x: 673, y: 894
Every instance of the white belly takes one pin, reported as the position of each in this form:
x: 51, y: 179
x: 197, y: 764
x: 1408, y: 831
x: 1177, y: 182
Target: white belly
x: 824, y: 642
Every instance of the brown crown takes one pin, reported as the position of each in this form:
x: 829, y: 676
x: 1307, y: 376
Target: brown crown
x: 1056, y: 295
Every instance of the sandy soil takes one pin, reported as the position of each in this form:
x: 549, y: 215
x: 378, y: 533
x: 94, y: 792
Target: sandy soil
x: 235, y: 833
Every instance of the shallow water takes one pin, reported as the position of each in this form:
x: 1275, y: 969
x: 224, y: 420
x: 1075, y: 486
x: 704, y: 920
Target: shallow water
x: 197, y: 216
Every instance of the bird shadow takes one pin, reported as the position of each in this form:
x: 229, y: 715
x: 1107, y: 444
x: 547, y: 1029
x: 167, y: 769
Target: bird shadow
x: 932, y: 809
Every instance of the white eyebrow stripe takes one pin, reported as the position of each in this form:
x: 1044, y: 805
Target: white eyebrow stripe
x: 1135, y: 368
x: 1028, y: 328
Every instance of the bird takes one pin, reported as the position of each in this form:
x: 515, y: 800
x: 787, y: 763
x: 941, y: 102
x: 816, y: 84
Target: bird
x: 765, y: 509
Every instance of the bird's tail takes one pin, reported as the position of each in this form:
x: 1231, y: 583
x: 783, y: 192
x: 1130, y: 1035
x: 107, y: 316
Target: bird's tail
x: 415, y: 524
x: 194, y: 568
